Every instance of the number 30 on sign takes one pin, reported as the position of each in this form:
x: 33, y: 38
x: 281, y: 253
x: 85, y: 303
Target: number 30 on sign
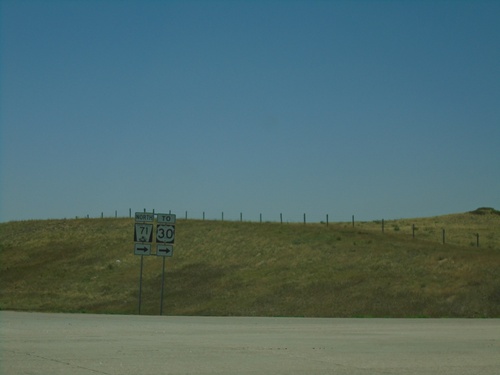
x: 165, y: 233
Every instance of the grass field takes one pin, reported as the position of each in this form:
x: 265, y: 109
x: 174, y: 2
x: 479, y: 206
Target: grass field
x: 259, y: 269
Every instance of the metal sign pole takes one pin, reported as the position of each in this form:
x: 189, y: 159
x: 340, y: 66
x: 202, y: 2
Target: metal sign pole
x: 140, y: 285
x: 162, y: 286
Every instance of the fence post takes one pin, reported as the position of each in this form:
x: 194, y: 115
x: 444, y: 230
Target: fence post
x: 326, y: 219
x: 261, y: 218
x: 477, y: 239
x: 129, y: 212
x: 116, y: 214
x: 353, y: 221
x: 444, y: 236
x: 281, y: 218
x: 241, y: 217
x: 102, y: 215
x: 186, y: 215
x: 222, y: 215
x: 304, y: 219
x: 413, y: 230
x: 203, y: 215
x: 382, y: 225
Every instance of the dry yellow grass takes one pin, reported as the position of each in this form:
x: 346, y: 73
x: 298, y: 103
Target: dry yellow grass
x: 269, y: 269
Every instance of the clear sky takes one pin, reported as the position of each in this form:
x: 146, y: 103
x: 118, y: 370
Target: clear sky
x: 378, y: 109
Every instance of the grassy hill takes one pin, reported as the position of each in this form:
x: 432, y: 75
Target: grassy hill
x: 254, y: 269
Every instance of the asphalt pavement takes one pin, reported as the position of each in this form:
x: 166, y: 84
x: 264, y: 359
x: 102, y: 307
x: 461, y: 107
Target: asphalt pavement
x: 85, y: 344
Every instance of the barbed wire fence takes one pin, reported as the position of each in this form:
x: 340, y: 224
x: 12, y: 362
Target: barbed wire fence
x: 442, y: 236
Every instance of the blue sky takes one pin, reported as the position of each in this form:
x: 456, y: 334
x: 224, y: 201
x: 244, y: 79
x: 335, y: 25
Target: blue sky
x: 378, y: 109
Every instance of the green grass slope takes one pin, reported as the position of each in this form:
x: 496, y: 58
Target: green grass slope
x: 254, y: 269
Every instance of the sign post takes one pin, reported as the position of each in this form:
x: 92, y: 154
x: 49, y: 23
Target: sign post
x: 143, y: 235
x: 165, y: 234
x: 162, y: 285
x: 140, y: 285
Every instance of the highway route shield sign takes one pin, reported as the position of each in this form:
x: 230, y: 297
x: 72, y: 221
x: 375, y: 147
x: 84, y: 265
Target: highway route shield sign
x: 165, y: 233
x: 143, y: 232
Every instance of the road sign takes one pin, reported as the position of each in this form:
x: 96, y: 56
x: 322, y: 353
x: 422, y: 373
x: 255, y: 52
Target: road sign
x: 165, y: 233
x: 166, y: 218
x: 143, y: 238
x: 143, y: 233
x: 142, y: 249
x: 164, y: 250
x: 145, y: 217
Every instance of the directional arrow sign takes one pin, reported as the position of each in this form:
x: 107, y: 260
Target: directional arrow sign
x: 164, y: 250
x: 142, y: 249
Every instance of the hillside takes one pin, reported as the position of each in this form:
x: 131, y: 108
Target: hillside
x: 254, y: 269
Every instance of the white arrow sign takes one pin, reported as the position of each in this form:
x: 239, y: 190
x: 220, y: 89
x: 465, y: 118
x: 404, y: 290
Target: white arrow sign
x: 164, y: 250
x: 142, y: 249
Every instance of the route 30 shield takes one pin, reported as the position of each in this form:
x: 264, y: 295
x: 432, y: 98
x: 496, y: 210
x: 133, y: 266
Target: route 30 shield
x: 165, y: 233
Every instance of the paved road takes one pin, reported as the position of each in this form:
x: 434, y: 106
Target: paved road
x: 81, y: 344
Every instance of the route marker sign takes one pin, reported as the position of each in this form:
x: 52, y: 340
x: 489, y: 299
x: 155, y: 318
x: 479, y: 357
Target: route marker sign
x: 164, y: 250
x: 166, y: 218
x: 144, y: 217
x: 165, y: 233
x: 143, y: 232
x: 143, y: 238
